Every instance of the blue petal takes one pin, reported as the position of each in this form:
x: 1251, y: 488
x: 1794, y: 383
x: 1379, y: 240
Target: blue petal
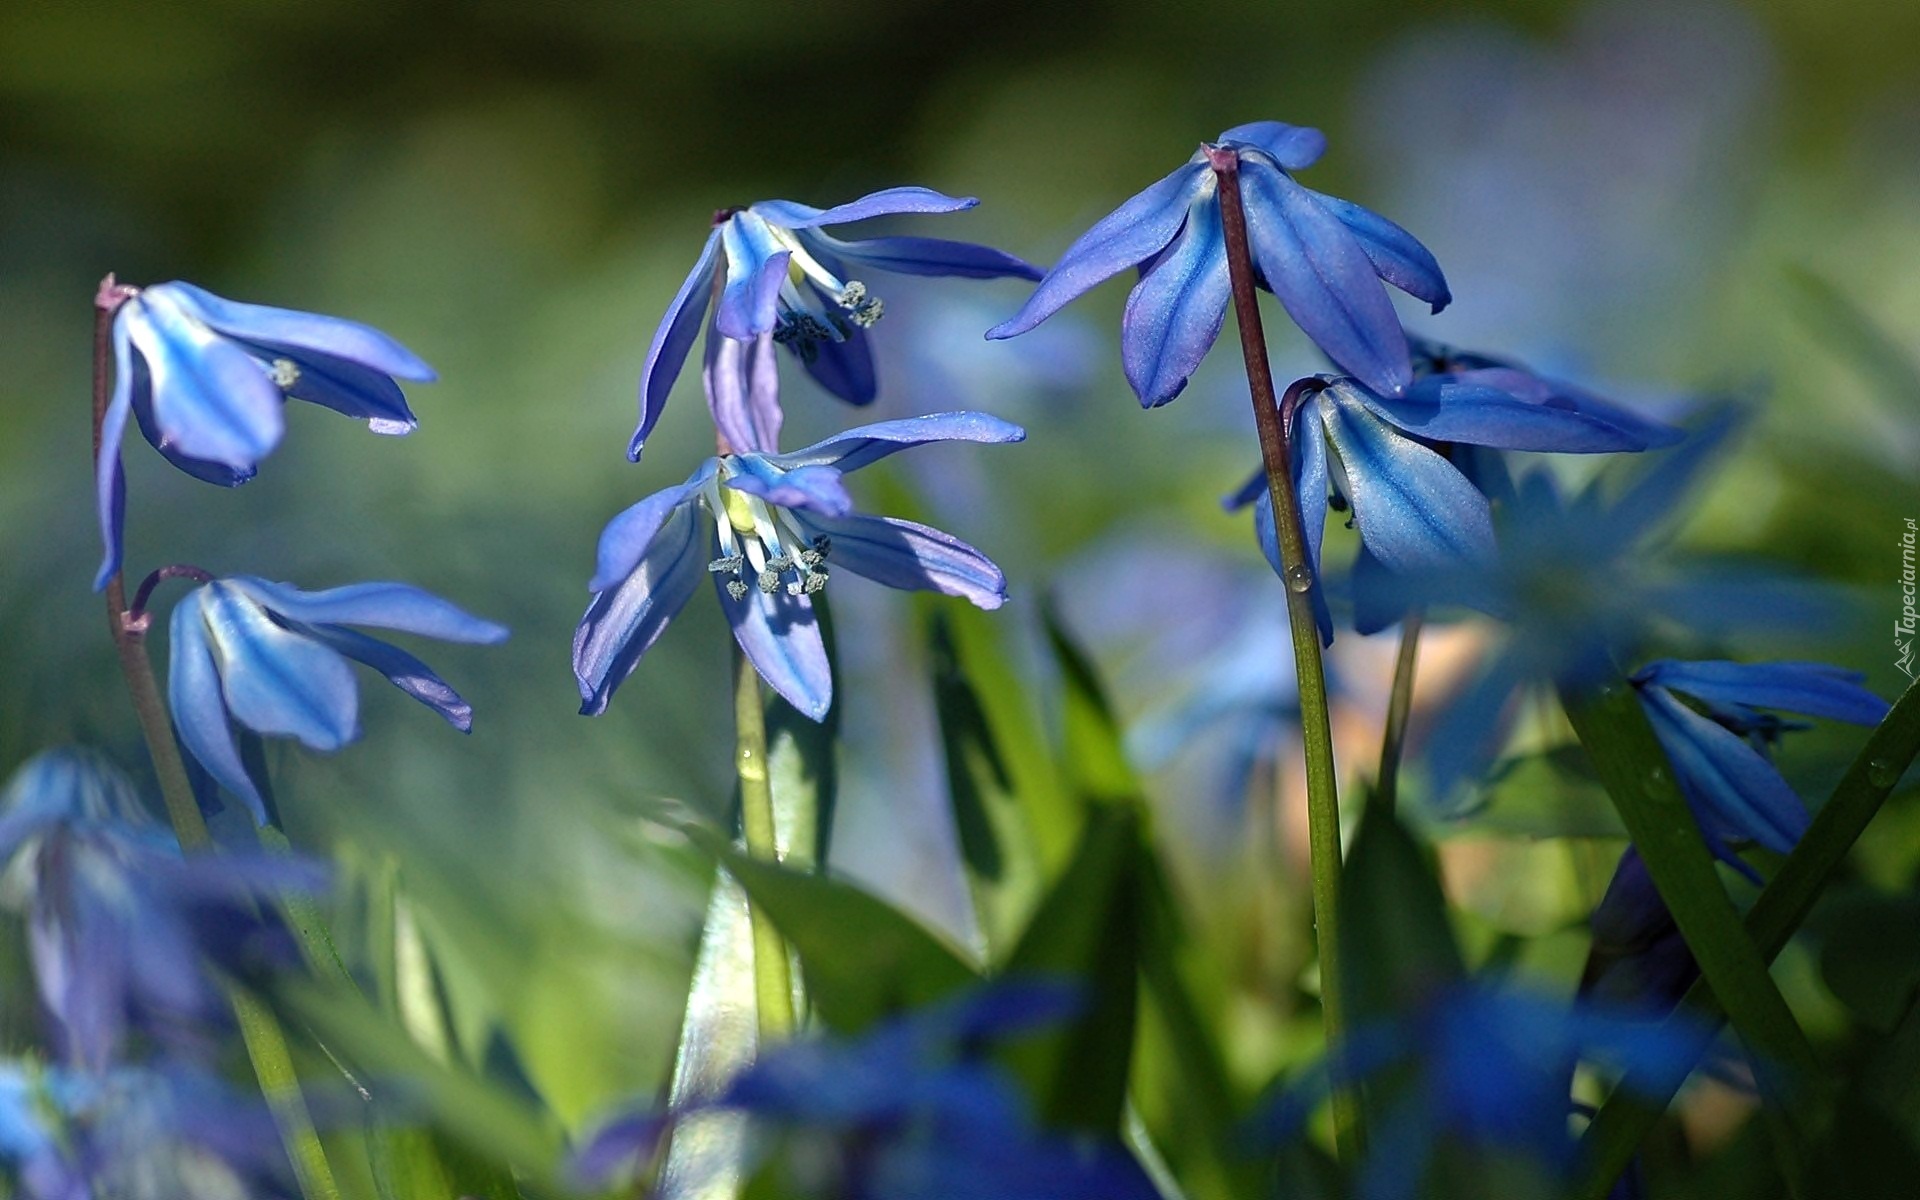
x: 628, y: 536
x: 781, y: 638
x: 1397, y: 256
x: 927, y: 256
x: 1470, y: 731
x: 743, y: 393
x: 909, y: 556
x: 1733, y: 789
x: 815, y: 489
x: 383, y: 605
x: 219, y: 474
x: 671, y: 341
x: 886, y: 202
x: 328, y: 336
x: 109, y: 479
x: 277, y: 681
x: 1520, y: 382
x: 200, y: 709
x: 865, y: 444
x: 1413, y: 509
x: 1446, y: 408
x: 1248, y: 492
x: 1659, y: 490
x: 1380, y: 598
x: 1815, y: 689
x: 623, y: 621
x: 756, y: 271
x: 1323, y: 278
x: 1174, y: 313
x: 615, y: 1147
x: 403, y: 670
x: 843, y: 368
x: 1124, y: 238
x: 211, y: 400
x: 1295, y: 147
x: 347, y: 388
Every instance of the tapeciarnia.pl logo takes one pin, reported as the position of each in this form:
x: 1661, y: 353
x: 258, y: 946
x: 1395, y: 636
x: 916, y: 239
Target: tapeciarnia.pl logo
x: 1903, y: 628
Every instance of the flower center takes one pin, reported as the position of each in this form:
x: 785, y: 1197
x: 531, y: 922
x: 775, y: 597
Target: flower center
x: 805, y: 321
x: 765, y: 539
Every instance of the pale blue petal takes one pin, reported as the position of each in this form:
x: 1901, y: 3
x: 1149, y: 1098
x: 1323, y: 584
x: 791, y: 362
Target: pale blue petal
x: 200, y: 708
x: 886, y: 202
x: 383, y: 605
x: 329, y: 336
x: 1470, y: 731
x: 1446, y: 408
x: 927, y: 256
x: 1322, y: 276
x: 623, y: 621
x: 909, y: 556
x: 815, y: 489
x: 1414, y: 510
x: 1124, y: 238
x: 671, y: 341
x: 1814, y: 689
x: 1397, y: 256
x: 627, y: 537
x: 403, y: 670
x: 865, y: 444
x: 1734, y: 790
x: 218, y: 474
x: 756, y: 271
x: 781, y: 637
x: 1174, y: 314
x: 1659, y: 490
x: 1295, y: 147
x: 743, y: 393
x: 1381, y: 599
x: 275, y: 680
x: 109, y: 479
x: 211, y: 399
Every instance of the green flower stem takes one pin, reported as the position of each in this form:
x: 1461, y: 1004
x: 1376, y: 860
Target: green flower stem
x: 1323, y: 804
x: 1393, y: 738
x: 772, y: 968
x: 1630, y: 1112
x: 265, y: 1041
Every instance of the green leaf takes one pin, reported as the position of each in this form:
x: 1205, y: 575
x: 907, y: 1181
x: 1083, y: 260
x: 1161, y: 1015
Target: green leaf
x: 1087, y: 930
x: 1094, y: 752
x: 1397, y: 944
x: 1870, y: 955
x: 1844, y: 327
x: 718, y: 1035
x: 862, y: 958
x: 802, y: 766
x: 1550, y: 794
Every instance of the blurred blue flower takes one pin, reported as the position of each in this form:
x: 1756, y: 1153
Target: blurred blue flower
x: 274, y: 658
x: 1637, y: 955
x: 775, y: 520
x: 120, y: 925
x: 1485, y: 1070
x: 1708, y: 718
x: 30, y: 1144
x: 780, y: 276
x: 1323, y: 257
x: 910, y: 1111
x: 206, y: 380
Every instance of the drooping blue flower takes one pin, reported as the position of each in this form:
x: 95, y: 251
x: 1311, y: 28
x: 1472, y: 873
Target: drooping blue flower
x: 120, y: 926
x: 765, y: 527
x: 1637, y: 955
x: 1709, y: 719
x: 206, y: 380
x: 274, y: 658
x: 1323, y: 257
x: 910, y: 1111
x: 1389, y: 464
x: 780, y: 275
x: 1485, y: 1070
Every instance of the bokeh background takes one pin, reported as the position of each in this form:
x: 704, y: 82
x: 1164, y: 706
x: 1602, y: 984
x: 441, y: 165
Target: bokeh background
x: 1660, y: 199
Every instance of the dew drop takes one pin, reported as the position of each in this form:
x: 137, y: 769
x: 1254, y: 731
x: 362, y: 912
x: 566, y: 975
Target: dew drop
x: 1881, y: 773
x: 1299, y: 578
x: 1656, y: 778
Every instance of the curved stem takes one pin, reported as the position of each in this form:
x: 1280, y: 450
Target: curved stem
x: 1323, y: 804
x: 1399, y: 703
x: 265, y: 1041
x: 772, y: 970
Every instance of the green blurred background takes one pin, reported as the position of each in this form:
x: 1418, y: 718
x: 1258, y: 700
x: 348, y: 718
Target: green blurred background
x: 1655, y: 198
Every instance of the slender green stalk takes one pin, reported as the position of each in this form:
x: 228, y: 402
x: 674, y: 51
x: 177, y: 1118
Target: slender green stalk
x: 265, y: 1041
x: 1323, y: 804
x: 1393, y: 738
x: 772, y: 968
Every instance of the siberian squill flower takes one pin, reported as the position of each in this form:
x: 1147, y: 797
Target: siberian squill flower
x: 911, y: 1110
x: 120, y: 926
x: 1323, y: 257
x: 766, y: 527
x: 781, y: 277
x: 1710, y: 718
x: 206, y: 380
x: 274, y: 659
x: 1637, y: 955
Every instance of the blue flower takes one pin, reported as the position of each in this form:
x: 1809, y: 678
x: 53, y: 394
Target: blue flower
x: 120, y: 925
x: 1637, y: 955
x: 206, y: 380
x: 1322, y: 257
x: 1709, y: 719
x: 780, y: 276
x: 274, y: 658
x: 1390, y: 463
x: 910, y: 1111
x: 765, y: 526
